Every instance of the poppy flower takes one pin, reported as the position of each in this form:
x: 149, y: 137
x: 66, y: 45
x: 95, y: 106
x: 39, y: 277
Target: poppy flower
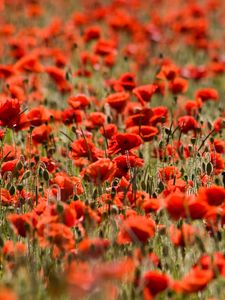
x: 120, y: 270
x: 178, y: 85
x: 219, y: 124
x: 104, y: 47
x: 137, y: 229
x: 187, y: 123
x: 23, y: 224
x: 59, y: 236
x: 217, y: 162
x: 11, y: 249
x: 206, y: 94
x: 29, y: 63
x: 125, y: 162
x: 196, y: 280
x: 160, y: 113
x: 108, y: 130
x: 154, y: 282
x: 140, y: 117
x: 127, y: 81
x: 169, y: 172
x: 95, y: 120
x: 92, y: 33
x: 169, y: 72
x: 68, y: 185
x: 176, y: 205
x: 92, y: 248
x: 6, y: 199
x: 183, y: 236
x: 41, y: 134
x: 100, y: 171
x: 9, y: 166
x: 123, y: 142
x: 118, y: 101
x: 58, y: 76
x: 144, y: 93
x: 213, y: 195
x: 37, y: 116
x: 70, y: 116
x: 147, y: 133
x: 9, y: 111
x: 192, y: 107
x: 219, y: 146
x: 79, y: 101
x: 85, y: 148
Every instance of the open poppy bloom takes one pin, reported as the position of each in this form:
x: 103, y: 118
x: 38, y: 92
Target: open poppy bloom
x: 123, y: 142
x: 144, y: 93
x: 147, y: 133
x: 207, y: 94
x: 187, y: 123
x: 155, y: 282
x: 118, y: 101
x: 9, y: 111
x: 136, y: 229
x: 100, y: 171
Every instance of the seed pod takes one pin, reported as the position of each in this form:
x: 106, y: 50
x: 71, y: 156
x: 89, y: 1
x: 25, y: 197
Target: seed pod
x: 209, y: 168
x: 12, y: 190
x: 26, y: 175
x: 19, y: 187
x: 46, y: 175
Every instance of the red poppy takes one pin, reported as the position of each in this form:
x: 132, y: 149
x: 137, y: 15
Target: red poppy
x: 169, y: 172
x: 118, y: 101
x: 37, y: 116
x: 93, y: 248
x: 155, y: 282
x: 68, y: 185
x: 206, y: 94
x: 125, y: 162
x: 187, y: 123
x: 85, y: 148
x: 178, y: 85
x: 29, y: 63
x: 140, y: 117
x: 144, y: 93
x: 127, y: 81
x: 147, y: 133
x: 23, y: 224
x: 176, y: 205
x: 58, y: 235
x: 108, y: 130
x: 219, y: 146
x: 92, y: 33
x: 123, y: 142
x: 183, y: 236
x: 79, y: 101
x: 58, y: 76
x: 95, y: 120
x: 219, y: 124
x: 213, y: 195
x: 137, y: 229
x: 196, y: 280
x: 217, y: 162
x: 100, y: 171
x: 160, y: 114
x: 70, y: 116
x: 168, y: 72
x: 9, y: 111
x: 41, y: 134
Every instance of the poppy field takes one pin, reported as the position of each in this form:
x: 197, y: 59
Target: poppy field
x: 112, y: 149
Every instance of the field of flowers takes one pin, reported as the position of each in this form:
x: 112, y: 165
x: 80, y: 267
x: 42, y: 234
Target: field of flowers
x: 112, y: 149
